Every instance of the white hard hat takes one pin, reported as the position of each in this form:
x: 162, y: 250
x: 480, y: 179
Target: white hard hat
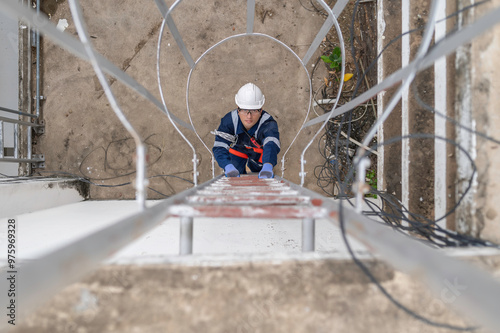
x: 249, y: 97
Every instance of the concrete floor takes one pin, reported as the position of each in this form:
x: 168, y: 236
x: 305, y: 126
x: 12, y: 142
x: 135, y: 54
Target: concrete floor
x: 84, y: 137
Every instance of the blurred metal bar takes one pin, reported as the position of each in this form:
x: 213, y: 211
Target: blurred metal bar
x: 21, y: 160
x: 308, y: 234
x: 20, y: 122
x: 186, y: 237
x: 250, y: 15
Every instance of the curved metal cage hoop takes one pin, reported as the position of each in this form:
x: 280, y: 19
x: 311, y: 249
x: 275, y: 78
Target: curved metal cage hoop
x: 329, y: 22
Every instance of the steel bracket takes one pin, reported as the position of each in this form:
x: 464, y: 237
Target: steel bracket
x: 40, y: 164
x: 40, y: 129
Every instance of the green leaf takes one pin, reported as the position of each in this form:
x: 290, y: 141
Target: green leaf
x: 337, y: 52
x: 326, y: 59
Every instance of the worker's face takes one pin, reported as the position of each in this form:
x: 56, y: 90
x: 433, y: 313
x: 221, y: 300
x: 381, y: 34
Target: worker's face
x: 249, y: 117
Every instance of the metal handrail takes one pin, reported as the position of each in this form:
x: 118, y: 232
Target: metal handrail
x: 18, y: 112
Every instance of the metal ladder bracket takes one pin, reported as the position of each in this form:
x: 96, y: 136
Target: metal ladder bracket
x: 38, y: 164
x: 40, y: 129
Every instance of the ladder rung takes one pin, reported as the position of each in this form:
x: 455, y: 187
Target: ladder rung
x: 248, y: 192
x: 248, y: 188
x: 246, y: 184
x: 249, y: 200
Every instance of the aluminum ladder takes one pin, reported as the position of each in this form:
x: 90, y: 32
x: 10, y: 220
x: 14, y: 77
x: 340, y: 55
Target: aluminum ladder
x: 249, y: 197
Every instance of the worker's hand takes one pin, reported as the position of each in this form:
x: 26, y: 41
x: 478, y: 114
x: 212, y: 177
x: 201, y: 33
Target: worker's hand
x: 267, y: 171
x: 231, y: 171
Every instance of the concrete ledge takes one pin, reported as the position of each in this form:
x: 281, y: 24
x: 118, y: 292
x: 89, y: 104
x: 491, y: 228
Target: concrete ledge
x: 274, y: 296
x: 21, y: 195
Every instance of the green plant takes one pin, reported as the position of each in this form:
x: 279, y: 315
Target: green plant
x: 334, y: 59
x: 371, y: 179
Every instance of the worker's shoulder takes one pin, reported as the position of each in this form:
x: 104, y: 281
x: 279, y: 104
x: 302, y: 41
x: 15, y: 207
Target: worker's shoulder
x: 268, y: 118
x: 228, y: 117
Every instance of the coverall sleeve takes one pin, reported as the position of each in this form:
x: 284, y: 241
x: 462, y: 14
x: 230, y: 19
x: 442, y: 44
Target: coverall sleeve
x: 221, y: 145
x: 271, y: 143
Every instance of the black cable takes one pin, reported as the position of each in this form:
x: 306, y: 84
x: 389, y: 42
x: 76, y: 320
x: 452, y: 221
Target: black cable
x: 88, y: 181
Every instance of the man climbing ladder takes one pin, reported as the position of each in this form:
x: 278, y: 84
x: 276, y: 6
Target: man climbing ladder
x: 247, y: 136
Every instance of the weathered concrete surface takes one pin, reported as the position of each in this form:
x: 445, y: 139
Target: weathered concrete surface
x: 255, y: 296
x: 485, y: 84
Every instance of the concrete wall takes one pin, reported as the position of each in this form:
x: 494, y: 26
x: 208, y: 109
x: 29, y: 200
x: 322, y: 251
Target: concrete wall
x: 480, y: 215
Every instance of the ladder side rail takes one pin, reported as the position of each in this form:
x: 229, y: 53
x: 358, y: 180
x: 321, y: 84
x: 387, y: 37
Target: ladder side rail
x: 40, y: 279
x: 479, y: 291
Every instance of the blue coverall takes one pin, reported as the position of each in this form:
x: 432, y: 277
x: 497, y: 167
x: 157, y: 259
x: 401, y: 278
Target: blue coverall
x: 265, y: 132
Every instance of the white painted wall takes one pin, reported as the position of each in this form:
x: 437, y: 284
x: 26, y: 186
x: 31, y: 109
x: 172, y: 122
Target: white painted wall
x: 9, y: 84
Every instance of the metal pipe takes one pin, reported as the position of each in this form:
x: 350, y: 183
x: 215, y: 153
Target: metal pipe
x: 16, y: 140
x: 1, y: 139
x: 17, y: 112
x: 20, y: 122
x: 186, y: 237
x: 308, y: 234
x: 20, y: 160
x: 37, y: 64
x: 250, y: 15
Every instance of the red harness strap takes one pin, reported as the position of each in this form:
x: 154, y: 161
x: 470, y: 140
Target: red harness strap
x: 257, y: 149
x: 238, y: 153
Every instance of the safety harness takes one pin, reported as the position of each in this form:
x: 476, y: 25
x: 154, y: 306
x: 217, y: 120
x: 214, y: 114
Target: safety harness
x: 234, y: 138
x: 258, y: 149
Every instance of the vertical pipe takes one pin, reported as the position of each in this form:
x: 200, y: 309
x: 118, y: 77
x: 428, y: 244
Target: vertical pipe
x: 29, y: 150
x: 141, y: 181
x: 405, y: 116
x: 16, y: 140
x: 186, y: 240
x: 1, y: 139
x: 380, y: 96
x: 440, y: 154
x: 308, y: 226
